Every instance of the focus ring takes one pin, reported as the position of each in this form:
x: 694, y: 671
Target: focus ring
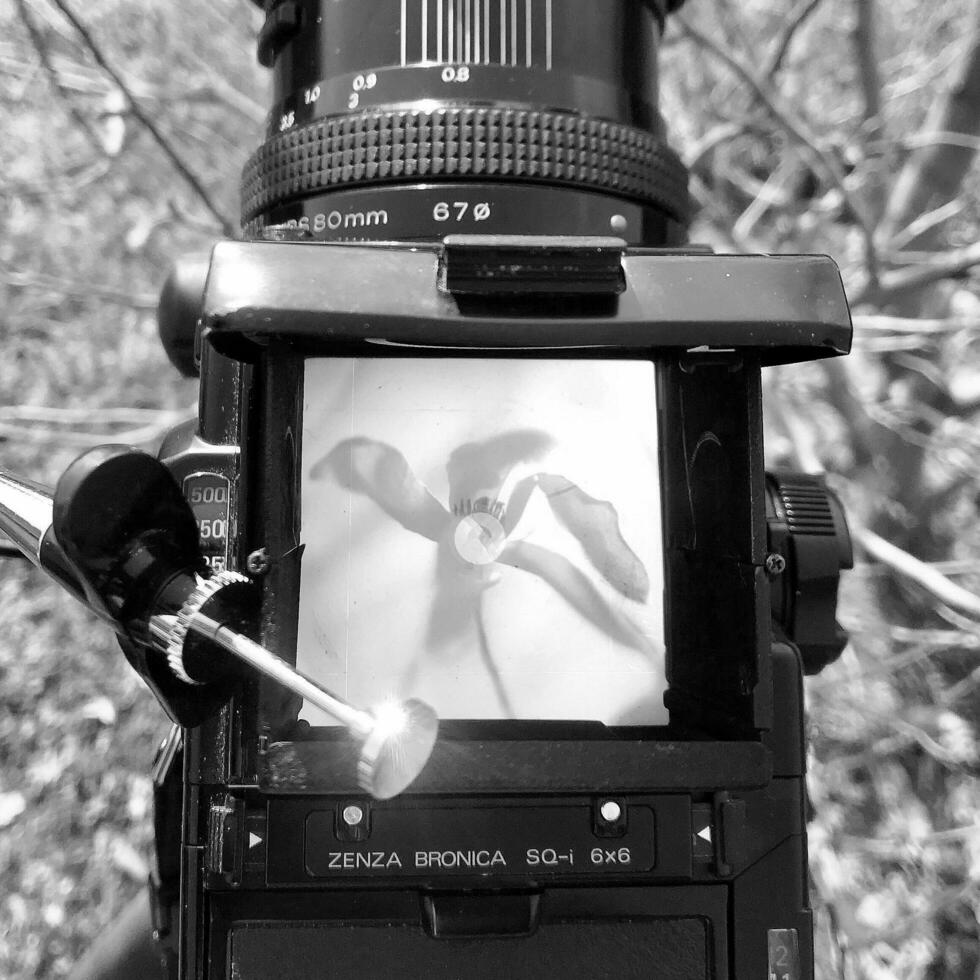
x: 453, y: 142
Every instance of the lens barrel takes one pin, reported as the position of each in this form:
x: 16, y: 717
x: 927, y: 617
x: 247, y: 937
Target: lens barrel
x: 404, y: 119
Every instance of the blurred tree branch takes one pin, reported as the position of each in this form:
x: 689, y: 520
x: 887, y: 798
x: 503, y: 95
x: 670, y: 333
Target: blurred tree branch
x: 910, y: 325
x: 721, y: 133
x: 773, y: 193
x: 924, y: 575
x: 796, y: 20
x: 41, y: 47
x: 968, y: 685
x: 917, y: 141
x: 933, y: 175
x: 85, y: 427
x: 85, y: 290
x: 867, y: 62
x: 922, y: 224
x: 902, y: 282
x: 819, y: 159
x: 228, y: 227
x: 899, y: 457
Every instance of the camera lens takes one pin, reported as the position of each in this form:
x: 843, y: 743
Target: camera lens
x: 414, y: 119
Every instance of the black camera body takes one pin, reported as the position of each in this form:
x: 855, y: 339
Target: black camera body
x: 529, y: 847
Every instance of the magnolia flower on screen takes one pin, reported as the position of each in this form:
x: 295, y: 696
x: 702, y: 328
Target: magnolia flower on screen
x: 492, y: 490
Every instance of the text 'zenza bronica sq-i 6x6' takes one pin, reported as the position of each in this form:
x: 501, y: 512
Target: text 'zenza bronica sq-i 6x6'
x: 481, y: 621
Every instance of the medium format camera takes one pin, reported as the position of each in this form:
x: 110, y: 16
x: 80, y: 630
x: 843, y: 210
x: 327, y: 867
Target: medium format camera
x: 480, y: 439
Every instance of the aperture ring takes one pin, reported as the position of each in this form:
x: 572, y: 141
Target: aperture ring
x: 383, y: 146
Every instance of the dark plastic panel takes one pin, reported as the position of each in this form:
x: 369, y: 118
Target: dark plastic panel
x: 329, y: 297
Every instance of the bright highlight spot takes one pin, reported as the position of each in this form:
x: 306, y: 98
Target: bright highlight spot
x: 390, y: 720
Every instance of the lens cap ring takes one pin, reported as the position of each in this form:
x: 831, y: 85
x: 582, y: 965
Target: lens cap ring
x: 456, y: 142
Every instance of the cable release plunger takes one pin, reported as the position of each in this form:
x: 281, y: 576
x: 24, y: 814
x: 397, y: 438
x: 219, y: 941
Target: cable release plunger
x: 120, y: 536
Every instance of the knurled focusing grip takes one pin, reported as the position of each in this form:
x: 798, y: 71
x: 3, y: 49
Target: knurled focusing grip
x: 498, y: 144
x: 809, y: 546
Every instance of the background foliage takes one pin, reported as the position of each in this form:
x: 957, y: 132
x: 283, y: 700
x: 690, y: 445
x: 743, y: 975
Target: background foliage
x: 841, y: 126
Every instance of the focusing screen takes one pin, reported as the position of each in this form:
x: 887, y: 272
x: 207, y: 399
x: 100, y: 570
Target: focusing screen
x: 484, y: 535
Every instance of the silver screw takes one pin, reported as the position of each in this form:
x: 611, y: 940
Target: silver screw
x: 775, y: 564
x: 258, y: 562
x: 353, y: 815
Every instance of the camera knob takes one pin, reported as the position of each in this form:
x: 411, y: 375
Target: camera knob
x: 809, y: 546
x: 179, y: 310
x: 220, y: 597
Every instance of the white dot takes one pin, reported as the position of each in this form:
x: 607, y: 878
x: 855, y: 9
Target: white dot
x: 618, y: 223
x: 610, y: 811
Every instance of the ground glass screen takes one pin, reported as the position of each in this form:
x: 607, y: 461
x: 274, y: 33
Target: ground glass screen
x: 484, y: 535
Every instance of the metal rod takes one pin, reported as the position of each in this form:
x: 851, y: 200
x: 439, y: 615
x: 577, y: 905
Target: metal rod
x: 396, y: 740
x: 25, y: 514
x: 359, y: 722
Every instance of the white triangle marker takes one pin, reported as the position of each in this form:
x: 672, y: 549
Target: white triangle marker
x: 253, y: 839
x: 705, y: 834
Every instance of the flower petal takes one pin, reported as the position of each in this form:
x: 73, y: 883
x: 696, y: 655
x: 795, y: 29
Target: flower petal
x: 573, y: 586
x: 596, y: 525
x: 380, y: 472
x: 478, y: 469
